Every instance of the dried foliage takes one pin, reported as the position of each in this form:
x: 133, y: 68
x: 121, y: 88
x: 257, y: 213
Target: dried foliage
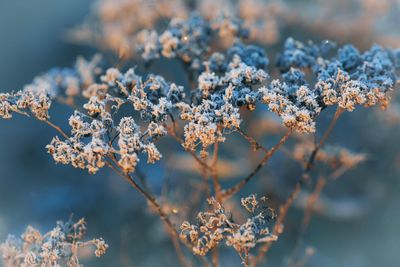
x: 58, y: 247
x: 118, y: 116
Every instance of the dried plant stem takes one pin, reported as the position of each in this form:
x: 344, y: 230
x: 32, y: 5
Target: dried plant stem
x: 52, y: 125
x: 309, y: 252
x: 148, y: 197
x: 236, y: 188
x: 171, y: 229
x: 180, y: 140
x: 214, y: 173
x: 215, y: 257
x: 256, y: 145
x: 278, y: 228
x: 245, y: 259
x: 279, y: 225
x: 325, y: 136
x: 217, y: 192
x: 312, y: 199
x: 57, y: 128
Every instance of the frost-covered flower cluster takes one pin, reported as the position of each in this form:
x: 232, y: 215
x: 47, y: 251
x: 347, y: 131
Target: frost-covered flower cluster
x: 62, y: 83
x: 119, y: 116
x: 258, y: 16
x: 216, y: 225
x: 116, y: 28
x: 188, y: 39
x: 348, y: 79
x: 224, y: 87
x: 58, y: 247
x: 68, y: 82
x: 36, y: 103
x: 93, y: 132
x: 93, y: 128
x: 292, y: 100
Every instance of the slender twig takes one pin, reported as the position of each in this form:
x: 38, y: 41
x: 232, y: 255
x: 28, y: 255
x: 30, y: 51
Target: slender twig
x: 214, y: 173
x: 256, y: 145
x: 58, y: 129
x: 215, y: 257
x: 328, y: 131
x: 312, y: 199
x: 171, y: 229
x: 236, y: 188
x: 149, y: 197
x: 178, y: 139
x: 278, y: 228
x: 52, y: 125
x: 217, y: 191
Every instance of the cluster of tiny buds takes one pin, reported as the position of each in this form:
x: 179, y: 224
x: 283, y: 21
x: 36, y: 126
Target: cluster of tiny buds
x: 26, y: 101
x: 226, y: 83
x: 93, y: 134
x: 188, y: 39
x: 58, y: 247
x: 216, y: 225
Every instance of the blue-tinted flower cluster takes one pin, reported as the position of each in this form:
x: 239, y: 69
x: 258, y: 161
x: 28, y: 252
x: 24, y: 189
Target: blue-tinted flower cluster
x: 224, y: 87
x: 298, y: 55
x: 69, y: 82
x: 216, y: 225
x: 347, y: 79
x: 188, y: 39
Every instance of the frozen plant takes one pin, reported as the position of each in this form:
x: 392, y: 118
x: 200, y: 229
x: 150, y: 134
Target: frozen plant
x: 122, y: 116
x: 217, y: 225
x: 58, y: 247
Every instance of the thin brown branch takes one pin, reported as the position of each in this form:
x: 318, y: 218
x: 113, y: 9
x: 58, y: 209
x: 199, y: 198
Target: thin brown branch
x: 171, y: 229
x: 278, y: 228
x: 236, y: 188
x: 328, y: 131
x: 256, y: 145
x: 312, y: 199
x: 279, y: 224
x: 57, y: 128
x: 215, y: 257
x: 192, y: 153
x: 214, y: 173
x: 148, y: 197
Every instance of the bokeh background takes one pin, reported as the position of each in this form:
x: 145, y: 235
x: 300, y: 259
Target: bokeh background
x: 33, y: 190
